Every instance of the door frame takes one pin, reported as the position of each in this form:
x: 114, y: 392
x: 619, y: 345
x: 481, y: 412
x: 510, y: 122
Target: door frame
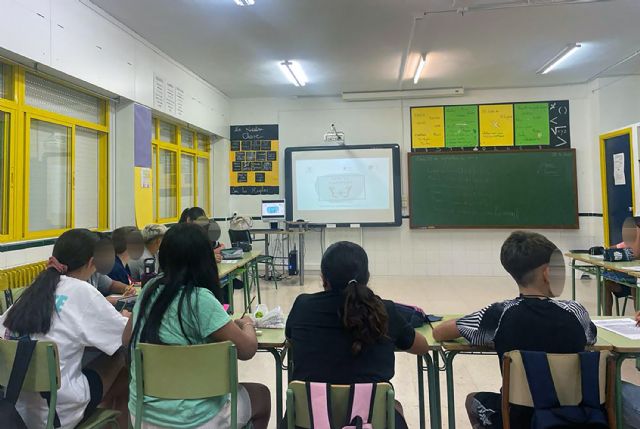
x: 603, y: 174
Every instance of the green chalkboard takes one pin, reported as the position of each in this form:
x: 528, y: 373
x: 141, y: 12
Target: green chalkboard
x: 494, y: 189
x: 531, y: 124
x: 461, y: 126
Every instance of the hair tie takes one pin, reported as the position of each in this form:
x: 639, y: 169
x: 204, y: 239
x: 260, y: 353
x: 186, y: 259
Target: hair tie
x: 353, y: 282
x: 56, y: 265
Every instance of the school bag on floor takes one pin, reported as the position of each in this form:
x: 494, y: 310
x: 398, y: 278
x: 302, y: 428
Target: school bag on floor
x: 548, y: 413
x: 359, y: 411
x: 8, y: 414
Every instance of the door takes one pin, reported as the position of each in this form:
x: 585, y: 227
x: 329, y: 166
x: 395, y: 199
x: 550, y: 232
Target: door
x: 617, y: 183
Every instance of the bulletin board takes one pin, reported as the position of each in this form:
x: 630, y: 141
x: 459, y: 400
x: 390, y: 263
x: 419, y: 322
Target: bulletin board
x: 500, y: 125
x: 254, y: 160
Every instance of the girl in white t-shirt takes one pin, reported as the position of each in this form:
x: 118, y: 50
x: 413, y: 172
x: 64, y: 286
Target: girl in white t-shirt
x: 60, y: 306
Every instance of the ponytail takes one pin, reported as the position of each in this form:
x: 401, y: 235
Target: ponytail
x: 33, y: 311
x: 363, y: 315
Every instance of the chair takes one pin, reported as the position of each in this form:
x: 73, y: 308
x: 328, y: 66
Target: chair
x: 44, y: 376
x: 624, y: 304
x: 298, y: 406
x: 565, y: 370
x: 186, y: 372
x: 239, y: 236
x: 9, y: 296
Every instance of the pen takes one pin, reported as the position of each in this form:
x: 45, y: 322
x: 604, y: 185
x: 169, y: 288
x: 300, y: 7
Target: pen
x: 248, y: 307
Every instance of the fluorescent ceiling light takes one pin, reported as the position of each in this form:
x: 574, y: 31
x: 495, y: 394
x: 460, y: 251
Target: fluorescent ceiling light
x: 569, y: 50
x: 294, y: 73
x: 245, y: 2
x: 397, y: 95
x: 423, y: 61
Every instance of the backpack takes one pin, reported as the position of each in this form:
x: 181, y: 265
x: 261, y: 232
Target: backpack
x: 548, y: 413
x: 8, y: 414
x: 359, y: 411
x: 415, y: 316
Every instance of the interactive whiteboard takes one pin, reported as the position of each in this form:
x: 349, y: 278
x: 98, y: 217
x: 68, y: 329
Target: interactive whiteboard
x: 344, y: 185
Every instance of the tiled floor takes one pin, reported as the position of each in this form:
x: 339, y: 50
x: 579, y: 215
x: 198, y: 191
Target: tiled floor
x: 437, y: 295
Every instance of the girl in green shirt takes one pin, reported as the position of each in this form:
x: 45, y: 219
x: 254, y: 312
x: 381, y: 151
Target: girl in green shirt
x: 181, y: 307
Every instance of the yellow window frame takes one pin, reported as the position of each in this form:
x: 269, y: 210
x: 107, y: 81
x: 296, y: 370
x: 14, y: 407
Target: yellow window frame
x: 179, y: 149
x: 7, y: 185
x: 70, y: 178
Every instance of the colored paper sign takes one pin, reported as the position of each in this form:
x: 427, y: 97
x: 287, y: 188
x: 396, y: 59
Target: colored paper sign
x: 461, y: 126
x: 496, y: 125
x: 532, y: 124
x: 427, y: 127
x: 254, y: 160
x: 560, y: 134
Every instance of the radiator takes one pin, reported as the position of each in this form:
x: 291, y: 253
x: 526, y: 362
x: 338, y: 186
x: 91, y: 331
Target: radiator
x: 21, y: 276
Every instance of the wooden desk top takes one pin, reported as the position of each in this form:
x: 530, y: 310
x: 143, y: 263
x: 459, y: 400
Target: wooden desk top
x: 622, y: 267
x: 225, y: 268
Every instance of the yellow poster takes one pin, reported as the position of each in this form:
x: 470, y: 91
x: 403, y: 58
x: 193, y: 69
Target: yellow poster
x: 143, y: 196
x: 496, y: 125
x: 427, y: 127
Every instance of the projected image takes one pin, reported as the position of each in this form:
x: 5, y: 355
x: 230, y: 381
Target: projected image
x: 343, y: 184
x: 341, y: 187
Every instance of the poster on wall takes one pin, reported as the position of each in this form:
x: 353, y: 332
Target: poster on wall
x: 539, y: 124
x: 254, y: 160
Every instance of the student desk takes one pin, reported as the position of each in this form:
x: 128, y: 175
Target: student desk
x: 596, y: 266
x: 450, y: 349
x: 273, y: 341
x: 248, y: 268
x: 623, y: 348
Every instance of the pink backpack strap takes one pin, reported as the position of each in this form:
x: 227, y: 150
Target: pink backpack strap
x: 361, y: 401
x: 319, y: 398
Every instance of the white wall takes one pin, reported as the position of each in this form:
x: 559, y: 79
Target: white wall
x: 395, y: 251
x: 81, y: 41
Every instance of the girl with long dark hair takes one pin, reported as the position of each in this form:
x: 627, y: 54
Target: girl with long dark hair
x: 60, y: 306
x: 179, y: 307
x: 347, y: 334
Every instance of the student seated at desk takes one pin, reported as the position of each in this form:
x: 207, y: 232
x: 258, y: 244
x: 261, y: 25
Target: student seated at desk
x: 531, y: 322
x: 613, y: 289
x: 179, y: 307
x: 197, y: 215
x: 128, y: 244
x: 60, y: 306
x: 152, y: 235
x: 347, y: 334
x: 104, y: 256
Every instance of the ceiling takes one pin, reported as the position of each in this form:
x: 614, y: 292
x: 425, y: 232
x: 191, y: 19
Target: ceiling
x: 367, y: 45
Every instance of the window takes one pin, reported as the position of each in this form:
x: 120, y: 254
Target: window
x: 57, y: 137
x: 167, y: 189
x: 49, y: 155
x: 180, y: 162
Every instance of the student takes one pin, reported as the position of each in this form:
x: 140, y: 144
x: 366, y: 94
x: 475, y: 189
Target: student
x: 193, y: 214
x: 179, y: 307
x: 346, y: 334
x: 614, y: 290
x: 152, y: 235
x: 532, y: 321
x: 60, y: 306
x: 123, y: 239
x: 104, y: 256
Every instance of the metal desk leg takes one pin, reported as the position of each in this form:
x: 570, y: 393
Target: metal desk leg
x: 421, y: 393
x: 436, y: 383
x: 618, y: 394
x: 279, y: 414
x: 599, y: 287
x: 256, y: 278
x: 301, y: 257
x: 266, y: 253
x: 573, y: 279
x: 247, y: 286
x: 451, y: 409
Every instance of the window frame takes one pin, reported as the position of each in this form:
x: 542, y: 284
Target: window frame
x: 179, y: 149
x: 21, y: 114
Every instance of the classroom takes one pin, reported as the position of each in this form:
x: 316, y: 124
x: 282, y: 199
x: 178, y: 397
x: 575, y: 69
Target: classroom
x: 297, y: 213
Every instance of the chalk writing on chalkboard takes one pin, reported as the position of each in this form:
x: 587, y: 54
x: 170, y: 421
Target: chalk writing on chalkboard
x: 560, y: 135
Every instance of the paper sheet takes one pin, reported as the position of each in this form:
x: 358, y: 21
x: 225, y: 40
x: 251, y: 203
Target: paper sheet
x: 618, y: 169
x: 625, y: 327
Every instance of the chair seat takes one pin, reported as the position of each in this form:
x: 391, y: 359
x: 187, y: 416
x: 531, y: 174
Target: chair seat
x: 100, y: 418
